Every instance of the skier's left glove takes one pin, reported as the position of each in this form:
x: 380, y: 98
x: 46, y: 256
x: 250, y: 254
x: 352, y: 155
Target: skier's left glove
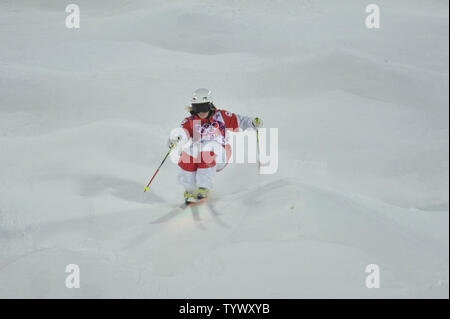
x: 257, y: 122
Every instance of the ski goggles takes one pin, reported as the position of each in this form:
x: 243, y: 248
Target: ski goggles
x: 201, y: 107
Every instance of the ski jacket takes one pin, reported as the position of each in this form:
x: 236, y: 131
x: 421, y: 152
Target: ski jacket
x: 215, y: 127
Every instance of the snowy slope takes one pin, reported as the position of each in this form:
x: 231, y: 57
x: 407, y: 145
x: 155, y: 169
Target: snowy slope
x: 363, y: 151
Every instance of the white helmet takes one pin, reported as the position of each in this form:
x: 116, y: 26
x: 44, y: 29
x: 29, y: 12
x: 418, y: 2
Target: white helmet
x: 201, y: 96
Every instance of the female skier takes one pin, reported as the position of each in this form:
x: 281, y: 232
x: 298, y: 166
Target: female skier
x: 209, y: 151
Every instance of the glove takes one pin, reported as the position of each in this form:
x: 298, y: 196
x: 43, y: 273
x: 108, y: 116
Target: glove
x: 175, y: 137
x: 171, y: 142
x: 257, y: 122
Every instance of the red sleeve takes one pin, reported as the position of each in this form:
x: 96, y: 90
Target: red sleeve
x: 230, y: 119
x: 187, y: 125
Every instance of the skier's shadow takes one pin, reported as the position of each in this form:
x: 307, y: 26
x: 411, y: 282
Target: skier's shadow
x: 216, y: 215
x: 195, y: 216
x: 92, y: 185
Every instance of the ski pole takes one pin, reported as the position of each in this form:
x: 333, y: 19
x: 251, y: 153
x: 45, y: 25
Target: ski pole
x: 257, y: 151
x: 167, y: 155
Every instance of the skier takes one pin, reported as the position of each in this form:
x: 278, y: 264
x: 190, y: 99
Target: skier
x: 209, y: 151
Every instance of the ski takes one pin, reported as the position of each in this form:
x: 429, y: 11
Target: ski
x: 197, y: 203
x: 178, y: 209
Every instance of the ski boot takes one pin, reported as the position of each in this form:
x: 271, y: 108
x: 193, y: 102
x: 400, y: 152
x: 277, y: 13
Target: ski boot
x: 190, y: 196
x: 202, y: 193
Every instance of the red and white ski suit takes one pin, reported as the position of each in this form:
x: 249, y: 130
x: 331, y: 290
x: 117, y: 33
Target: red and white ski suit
x: 209, y: 151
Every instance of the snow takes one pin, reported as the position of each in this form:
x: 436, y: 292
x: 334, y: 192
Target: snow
x: 363, y: 149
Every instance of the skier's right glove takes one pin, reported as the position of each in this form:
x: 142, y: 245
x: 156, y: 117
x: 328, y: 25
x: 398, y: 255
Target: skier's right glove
x: 175, y: 137
x: 171, y: 142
